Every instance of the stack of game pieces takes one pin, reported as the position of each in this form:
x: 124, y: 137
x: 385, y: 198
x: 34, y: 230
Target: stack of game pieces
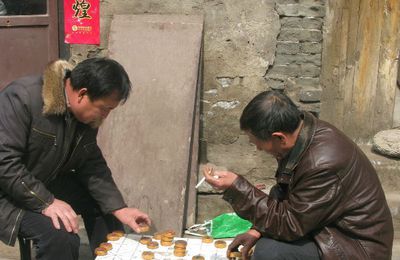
x: 105, y: 247
x: 235, y: 255
x: 180, y: 248
x: 167, y: 238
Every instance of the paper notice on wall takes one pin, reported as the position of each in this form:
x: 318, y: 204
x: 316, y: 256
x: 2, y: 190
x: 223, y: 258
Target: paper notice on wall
x: 82, y: 25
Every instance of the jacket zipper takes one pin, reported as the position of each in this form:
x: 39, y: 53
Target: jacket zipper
x: 34, y: 193
x: 46, y: 134
x: 63, y: 157
x: 14, y: 227
x: 77, y: 143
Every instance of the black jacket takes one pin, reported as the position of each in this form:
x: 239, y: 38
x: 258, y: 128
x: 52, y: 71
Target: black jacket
x: 326, y: 190
x: 40, y: 140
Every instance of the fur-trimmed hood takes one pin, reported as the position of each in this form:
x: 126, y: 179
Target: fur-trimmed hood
x: 53, y: 87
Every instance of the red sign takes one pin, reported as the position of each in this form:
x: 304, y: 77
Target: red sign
x: 82, y: 24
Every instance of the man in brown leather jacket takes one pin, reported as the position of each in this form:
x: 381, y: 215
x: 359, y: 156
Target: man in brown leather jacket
x: 328, y: 202
x: 51, y: 168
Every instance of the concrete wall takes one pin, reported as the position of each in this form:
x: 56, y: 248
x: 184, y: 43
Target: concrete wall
x: 249, y: 46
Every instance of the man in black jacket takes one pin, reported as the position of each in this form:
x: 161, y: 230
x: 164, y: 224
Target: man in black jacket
x: 51, y: 168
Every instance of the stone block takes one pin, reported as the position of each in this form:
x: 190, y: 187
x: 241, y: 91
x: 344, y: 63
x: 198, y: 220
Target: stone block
x: 301, y: 23
x: 310, y: 47
x: 275, y: 84
x: 300, y: 35
x: 288, y: 47
x: 305, y: 81
x: 285, y: 59
x: 308, y: 94
x: 303, y: 10
x: 310, y: 70
x: 291, y: 70
x: 276, y: 75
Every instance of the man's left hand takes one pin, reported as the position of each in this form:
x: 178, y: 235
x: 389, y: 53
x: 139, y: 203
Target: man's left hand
x: 247, y: 240
x: 132, y: 217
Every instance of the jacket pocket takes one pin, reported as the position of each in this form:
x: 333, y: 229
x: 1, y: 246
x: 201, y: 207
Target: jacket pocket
x: 41, y: 145
x: 43, y: 137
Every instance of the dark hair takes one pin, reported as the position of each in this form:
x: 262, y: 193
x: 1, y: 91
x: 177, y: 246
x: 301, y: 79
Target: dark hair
x: 101, y: 77
x: 269, y: 112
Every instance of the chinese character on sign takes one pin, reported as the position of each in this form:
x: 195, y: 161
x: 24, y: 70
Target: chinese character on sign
x: 81, y: 9
x: 82, y: 21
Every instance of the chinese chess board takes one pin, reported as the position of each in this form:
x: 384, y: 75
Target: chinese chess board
x: 129, y: 248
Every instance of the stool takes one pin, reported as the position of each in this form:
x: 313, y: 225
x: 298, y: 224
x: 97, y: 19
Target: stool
x: 24, y: 248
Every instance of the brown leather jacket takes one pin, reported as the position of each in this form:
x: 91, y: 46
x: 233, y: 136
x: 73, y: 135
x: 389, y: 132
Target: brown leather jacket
x: 327, y: 190
x: 40, y: 140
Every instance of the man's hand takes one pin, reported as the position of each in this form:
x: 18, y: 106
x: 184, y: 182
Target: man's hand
x: 62, y: 210
x: 247, y: 240
x: 132, y: 217
x: 220, y: 180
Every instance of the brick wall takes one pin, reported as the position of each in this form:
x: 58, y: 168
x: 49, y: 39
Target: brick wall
x: 297, y: 64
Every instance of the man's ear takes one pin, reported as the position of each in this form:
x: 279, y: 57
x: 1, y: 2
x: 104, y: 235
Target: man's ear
x: 81, y: 93
x: 281, y: 137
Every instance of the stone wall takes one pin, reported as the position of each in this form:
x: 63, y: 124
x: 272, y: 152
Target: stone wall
x: 249, y: 46
x: 297, y: 63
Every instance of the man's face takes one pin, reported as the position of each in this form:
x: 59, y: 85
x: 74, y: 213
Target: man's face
x: 274, y: 146
x: 93, y: 112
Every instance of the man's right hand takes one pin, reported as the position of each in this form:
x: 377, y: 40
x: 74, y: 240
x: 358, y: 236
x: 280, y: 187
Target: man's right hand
x: 62, y: 210
x: 220, y: 180
x: 247, y: 240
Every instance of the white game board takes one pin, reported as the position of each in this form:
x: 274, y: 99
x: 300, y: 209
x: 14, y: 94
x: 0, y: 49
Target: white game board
x: 129, y: 248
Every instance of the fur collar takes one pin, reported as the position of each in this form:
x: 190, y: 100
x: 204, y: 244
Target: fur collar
x: 53, y: 87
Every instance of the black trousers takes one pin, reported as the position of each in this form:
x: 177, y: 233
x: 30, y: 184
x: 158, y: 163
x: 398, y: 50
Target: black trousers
x: 51, y: 243
x: 270, y: 249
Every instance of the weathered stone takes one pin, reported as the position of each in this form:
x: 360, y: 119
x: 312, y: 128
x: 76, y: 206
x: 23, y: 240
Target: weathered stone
x: 285, y: 59
x: 310, y: 70
x: 387, y: 142
x: 275, y: 84
x: 301, y: 23
x: 312, y: 2
x: 236, y: 31
x: 211, y: 206
x: 311, y: 47
x: 225, y: 81
x: 300, y: 35
x: 306, y: 10
x: 291, y: 70
x: 308, y: 94
x: 275, y: 75
x: 288, y: 47
x: 243, y: 158
x: 305, y: 81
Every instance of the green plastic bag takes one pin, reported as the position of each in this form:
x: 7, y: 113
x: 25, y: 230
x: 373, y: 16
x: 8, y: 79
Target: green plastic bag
x: 228, y: 225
